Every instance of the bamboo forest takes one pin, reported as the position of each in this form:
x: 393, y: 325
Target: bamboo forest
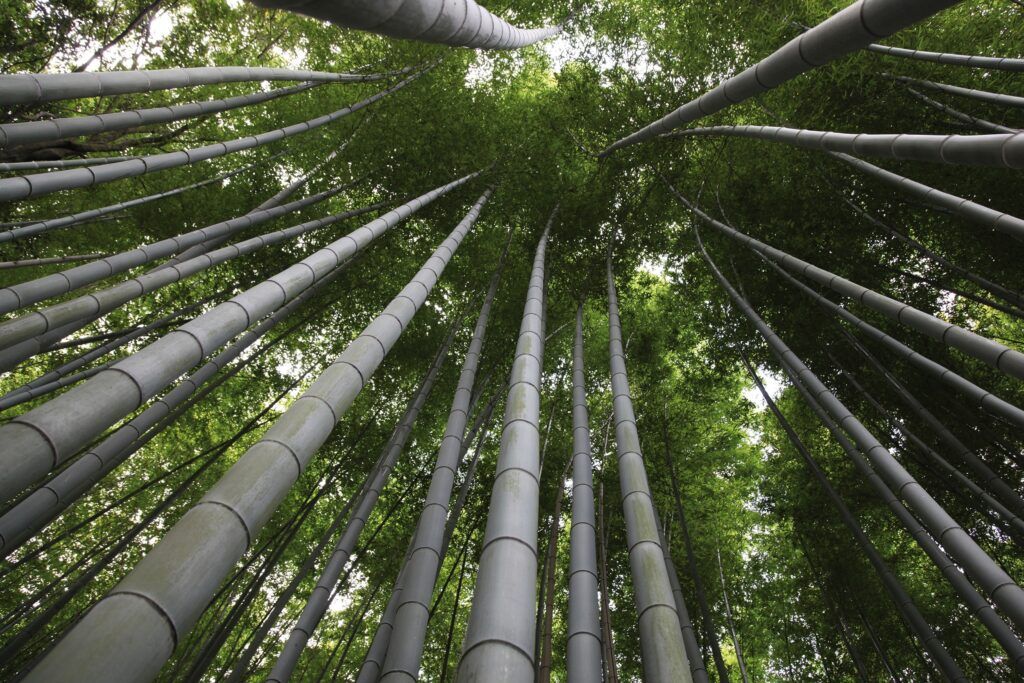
x: 509, y: 341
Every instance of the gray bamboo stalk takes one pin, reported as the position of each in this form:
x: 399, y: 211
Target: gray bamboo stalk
x: 711, y: 633
x: 49, y: 260
x: 45, y: 437
x: 25, y: 89
x: 44, y: 504
x: 551, y: 566
x: 41, y: 184
x: 979, y: 123
x: 729, y: 620
x: 611, y: 674
x: 1003, y: 150
x: 583, y: 634
x: 461, y: 23
x: 976, y: 394
x: 991, y: 352
x: 976, y: 604
x: 661, y: 639
x: 697, y: 668
x: 103, y: 301
x: 33, y: 132
x: 406, y: 640
x: 847, y: 31
x: 897, y: 593
x: 134, y: 628
x: 68, y: 280
x: 319, y: 599
x: 10, y: 166
x: 975, y: 61
x: 499, y: 640
x: 1003, y: 591
x: 1014, y: 101
x: 46, y: 224
x: 990, y: 479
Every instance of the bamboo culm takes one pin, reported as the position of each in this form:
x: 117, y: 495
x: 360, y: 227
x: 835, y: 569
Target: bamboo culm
x: 499, y: 640
x: 583, y: 633
x: 1000, y: 99
x: 975, y: 61
x: 661, y: 639
x: 44, y: 438
x: 405, y: 648
x: 24, y: 89
x: 849, y: 30
x: 461, y: 23
x: 36, y: 227
x: 38, y: 185
x: 1007, y: 595
x: 10, y: 166
x: 1003, y: 150
x: 134, y: 629
x: 33, y: 132
x: 992, y: 352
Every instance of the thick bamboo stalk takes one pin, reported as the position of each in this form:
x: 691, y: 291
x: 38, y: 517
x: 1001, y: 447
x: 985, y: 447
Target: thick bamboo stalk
x: 1003, y: 150
x: 37, y: 88
x: 499, y: 641
x: 409, y: 632
x: 46, y: 224
x: 41, y: 184
x: 44, y: 437
x: 991, y: 352
x: 583, y: 634
x: 133, y: 630
x: 849, y: 30
x: 459, y: 23
x: 46, y: 130
x: 975, y: 61
x: 661, y: 639
x: 1002, y: 589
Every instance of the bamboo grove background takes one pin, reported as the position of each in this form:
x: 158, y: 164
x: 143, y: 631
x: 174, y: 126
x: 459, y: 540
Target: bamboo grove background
x: 790, y: 595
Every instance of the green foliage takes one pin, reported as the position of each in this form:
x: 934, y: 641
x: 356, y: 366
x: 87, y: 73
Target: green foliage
x: 803, y: 597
